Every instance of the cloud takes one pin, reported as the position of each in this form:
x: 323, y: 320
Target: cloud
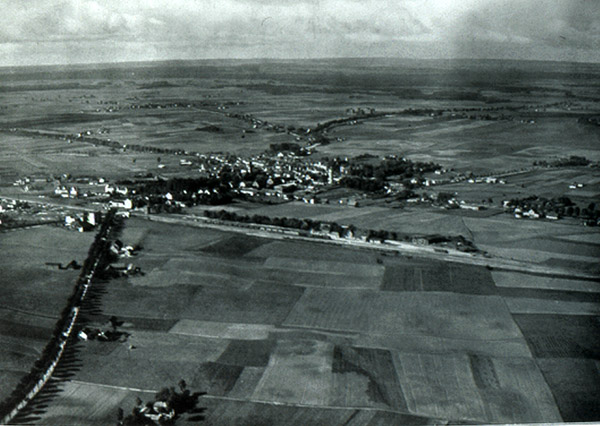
x: 74, y: 30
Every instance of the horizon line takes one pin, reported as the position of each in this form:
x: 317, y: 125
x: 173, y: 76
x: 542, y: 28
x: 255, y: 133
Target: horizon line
x: 275, y: 59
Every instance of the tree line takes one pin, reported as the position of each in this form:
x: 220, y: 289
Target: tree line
x: 98, y: 252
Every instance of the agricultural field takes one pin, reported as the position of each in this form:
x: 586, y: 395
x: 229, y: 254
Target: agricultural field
x: 478, y: 146
x: 46, y: 157
x: 33, y: 293
x: 282, y: 331
x: 547, y: 183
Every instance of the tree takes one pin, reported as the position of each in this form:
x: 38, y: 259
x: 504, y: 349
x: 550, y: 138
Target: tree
x: 114, y: 322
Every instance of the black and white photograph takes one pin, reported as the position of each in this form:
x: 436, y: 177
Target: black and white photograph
x: 299, y: 212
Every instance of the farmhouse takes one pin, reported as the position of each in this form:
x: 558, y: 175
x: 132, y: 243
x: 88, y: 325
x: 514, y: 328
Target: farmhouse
x: 125, y: 204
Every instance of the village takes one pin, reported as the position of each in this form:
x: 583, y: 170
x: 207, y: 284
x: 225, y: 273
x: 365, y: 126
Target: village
x: 282, y: 174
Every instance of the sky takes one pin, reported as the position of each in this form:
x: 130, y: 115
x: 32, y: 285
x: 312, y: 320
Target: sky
x: 36, y: 32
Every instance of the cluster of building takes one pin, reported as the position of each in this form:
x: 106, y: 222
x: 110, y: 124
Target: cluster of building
x: 552, y: 209
x: 271, y: 176
x: 82, y: 222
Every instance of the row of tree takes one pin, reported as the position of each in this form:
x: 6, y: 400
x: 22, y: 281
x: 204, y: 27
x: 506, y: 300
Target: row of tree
x: 97, y: 251
x: 308, y: 225
x: 562, y: 206
x: 572, y: 161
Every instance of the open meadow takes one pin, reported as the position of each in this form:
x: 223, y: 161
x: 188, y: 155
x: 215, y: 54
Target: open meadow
x: 33, y: 293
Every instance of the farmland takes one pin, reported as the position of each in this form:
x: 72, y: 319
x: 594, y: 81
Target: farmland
x: 279, y: 325
x: 324, y: 333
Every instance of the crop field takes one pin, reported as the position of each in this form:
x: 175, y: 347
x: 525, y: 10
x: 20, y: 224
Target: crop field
x: 552, y: 182
x: 301, y: 327
x: 490, y: 384
x: 514, y: 280
x: 422, y: 344
x: 180, y: 239
x: 282, y: 331
x: 311, y: 251
x: 295, y: 209
x: 87, y: 404
x: 561, y: 336
x: 222, y: 330
x: 325, y: 267
x: 408, y: 220
x: 557, y: 246
x: 298, y: 371
x: 40, y: 155
x: 472, y: 145
x: 27, y: 283
x: 365, y: 377
x: 224, y: 412
x: 430, y: 314
x: 524, y: 305
x: 434, y: 276
x: 575, y: 383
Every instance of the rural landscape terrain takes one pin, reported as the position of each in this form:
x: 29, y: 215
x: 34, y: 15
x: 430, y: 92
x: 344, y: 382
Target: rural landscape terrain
x: 300, y: 242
